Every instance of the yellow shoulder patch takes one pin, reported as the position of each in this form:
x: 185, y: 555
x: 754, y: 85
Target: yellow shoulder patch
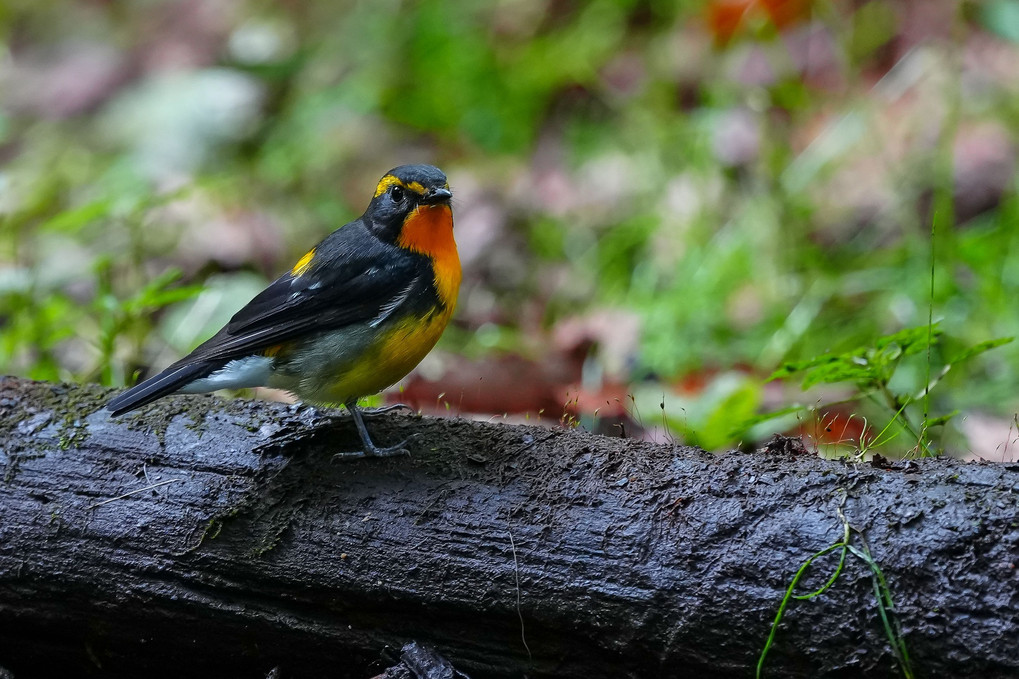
x: 303, y: 263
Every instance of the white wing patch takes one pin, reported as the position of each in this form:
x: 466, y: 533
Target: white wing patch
x: 389, y: 307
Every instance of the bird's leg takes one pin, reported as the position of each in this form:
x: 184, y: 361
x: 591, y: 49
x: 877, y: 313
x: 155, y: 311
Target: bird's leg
x: 369, y: 449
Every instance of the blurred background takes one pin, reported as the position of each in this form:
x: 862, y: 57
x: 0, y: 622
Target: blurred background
x: 660, y: 205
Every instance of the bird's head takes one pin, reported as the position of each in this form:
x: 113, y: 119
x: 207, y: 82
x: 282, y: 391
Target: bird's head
x: 404, y: 196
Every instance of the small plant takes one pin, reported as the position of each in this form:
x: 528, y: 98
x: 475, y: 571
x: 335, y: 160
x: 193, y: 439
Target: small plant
x: 706, y: 418
x: 871, y: 370
x: 46, y: 324
x: 882, y: 594
x: 117, y: 317
x: 570, y: 419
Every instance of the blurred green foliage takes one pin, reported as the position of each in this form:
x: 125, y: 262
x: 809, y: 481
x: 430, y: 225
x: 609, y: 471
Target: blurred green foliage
x: 754, y: 192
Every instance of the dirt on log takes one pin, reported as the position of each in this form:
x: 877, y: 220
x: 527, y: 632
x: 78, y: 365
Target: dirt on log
x: 206, y: 538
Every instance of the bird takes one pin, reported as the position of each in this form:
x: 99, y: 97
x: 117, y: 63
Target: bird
x: 353, y: 316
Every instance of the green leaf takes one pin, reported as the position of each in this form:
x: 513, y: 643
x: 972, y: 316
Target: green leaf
x: 864, y: 365
x: 793, y: 367
x: 74, y: 219
x: 736, y: 407
x: 845, y: 370
x: 979, y: 349
x: 155, y: 294
x: 943, y: 419
x: 766, y: 417
x: 911, y: 340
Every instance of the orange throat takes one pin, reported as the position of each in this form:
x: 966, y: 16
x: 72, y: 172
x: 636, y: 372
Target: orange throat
x: 428, y: 230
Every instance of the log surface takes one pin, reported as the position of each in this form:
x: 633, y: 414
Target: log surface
x: 512, y: 550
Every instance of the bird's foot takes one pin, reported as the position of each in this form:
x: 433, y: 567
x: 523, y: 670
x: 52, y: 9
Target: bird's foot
x: 368, y: 447
x: 375, y: 451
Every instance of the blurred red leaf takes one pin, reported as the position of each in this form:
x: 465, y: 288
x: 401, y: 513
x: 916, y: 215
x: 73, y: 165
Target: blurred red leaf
x: 729, y: 18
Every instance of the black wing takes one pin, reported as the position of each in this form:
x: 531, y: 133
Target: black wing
x: 353, y: 278
x: 349, y: 282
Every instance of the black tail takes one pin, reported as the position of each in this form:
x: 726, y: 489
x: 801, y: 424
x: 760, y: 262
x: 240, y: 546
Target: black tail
x: 163, y: 384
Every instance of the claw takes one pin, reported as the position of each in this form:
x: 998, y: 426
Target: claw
x: 391, y: 451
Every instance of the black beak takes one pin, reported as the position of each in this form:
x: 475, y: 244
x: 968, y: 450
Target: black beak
x: 436, y: 196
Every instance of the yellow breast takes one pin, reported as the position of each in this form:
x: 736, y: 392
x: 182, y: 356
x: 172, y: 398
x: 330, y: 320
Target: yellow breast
x: 389, y: 358
x: 401, y: 345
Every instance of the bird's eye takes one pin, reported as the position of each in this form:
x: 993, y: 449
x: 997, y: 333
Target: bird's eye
x: 398, y: 193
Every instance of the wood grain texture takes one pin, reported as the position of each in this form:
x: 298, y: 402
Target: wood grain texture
x: 633, y: 559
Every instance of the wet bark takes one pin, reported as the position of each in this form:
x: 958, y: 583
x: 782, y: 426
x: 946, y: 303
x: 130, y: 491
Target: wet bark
x: 207, y: 538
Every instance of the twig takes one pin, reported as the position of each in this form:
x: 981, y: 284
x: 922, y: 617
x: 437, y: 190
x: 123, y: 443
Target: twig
x: 135, y: 492
x: 516, y: 576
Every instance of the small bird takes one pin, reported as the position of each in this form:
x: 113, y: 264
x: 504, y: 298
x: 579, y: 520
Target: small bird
x: 353, y: 316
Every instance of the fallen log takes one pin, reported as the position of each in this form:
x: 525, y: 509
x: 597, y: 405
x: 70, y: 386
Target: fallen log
x: 202, y: 537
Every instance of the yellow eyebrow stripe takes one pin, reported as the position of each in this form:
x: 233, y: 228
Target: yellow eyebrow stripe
x: 392, y: 180
x: 303, y: 263
x: 385, y: 183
